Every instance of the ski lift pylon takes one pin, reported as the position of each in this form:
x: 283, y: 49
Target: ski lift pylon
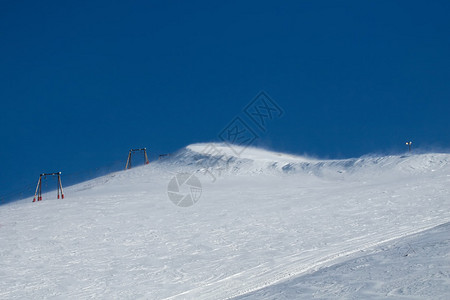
x: 130, y: 154
x: 38, y: 192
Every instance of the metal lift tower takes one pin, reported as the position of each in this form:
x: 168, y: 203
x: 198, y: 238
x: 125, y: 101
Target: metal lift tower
x: 130, y: 155
x: 42, y: 176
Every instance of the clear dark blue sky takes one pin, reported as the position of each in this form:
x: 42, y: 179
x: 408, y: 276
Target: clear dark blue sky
x: 83, y: 82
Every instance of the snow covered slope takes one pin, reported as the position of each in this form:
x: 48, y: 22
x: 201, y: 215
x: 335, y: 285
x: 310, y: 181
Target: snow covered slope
x: 415, y: 267
x: 265, y: 223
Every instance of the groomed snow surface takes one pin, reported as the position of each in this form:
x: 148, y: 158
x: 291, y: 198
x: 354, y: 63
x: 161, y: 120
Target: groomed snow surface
x: 266, y: 226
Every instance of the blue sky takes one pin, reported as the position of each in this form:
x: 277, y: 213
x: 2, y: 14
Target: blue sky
x: 83, y: 82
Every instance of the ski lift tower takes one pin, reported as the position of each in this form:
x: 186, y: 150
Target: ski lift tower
x: 409, y: 146
x: 130, y: 155
x: 42, y: 176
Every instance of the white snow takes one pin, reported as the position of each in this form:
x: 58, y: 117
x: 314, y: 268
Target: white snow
x: 267, y: 226
x: 415, y: 267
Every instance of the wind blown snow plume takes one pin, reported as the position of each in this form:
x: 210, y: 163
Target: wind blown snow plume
x: 270, y: 225
x: 254, y: 160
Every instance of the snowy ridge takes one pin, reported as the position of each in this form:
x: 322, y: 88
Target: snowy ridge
x: 253, y: 160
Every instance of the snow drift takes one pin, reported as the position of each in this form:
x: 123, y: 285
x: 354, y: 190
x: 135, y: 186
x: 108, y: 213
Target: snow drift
x: 253, y: 160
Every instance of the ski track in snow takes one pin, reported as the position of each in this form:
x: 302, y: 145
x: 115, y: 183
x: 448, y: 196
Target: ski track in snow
x: 266, y: 221
x: 414, y: 267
